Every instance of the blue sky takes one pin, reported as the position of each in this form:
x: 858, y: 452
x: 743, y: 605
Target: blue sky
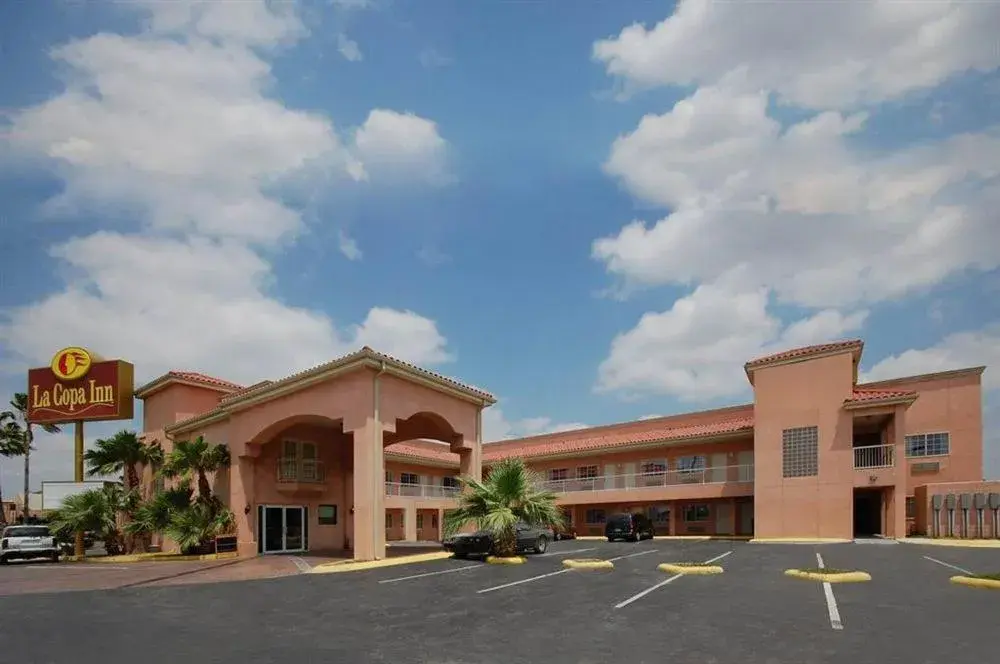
x: 451, y: 182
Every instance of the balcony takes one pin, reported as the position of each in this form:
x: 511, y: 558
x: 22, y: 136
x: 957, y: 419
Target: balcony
x: 407, y: 490
x: 639, y: 481
x: 300, y: 475
x: 868, y: 457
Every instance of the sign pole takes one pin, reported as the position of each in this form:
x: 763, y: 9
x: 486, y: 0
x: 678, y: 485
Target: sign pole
x: 79, y: 549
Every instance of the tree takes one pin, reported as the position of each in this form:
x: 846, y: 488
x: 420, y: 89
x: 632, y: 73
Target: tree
x: 18, y: 436
x: 510, y: 495
x: 10, y: 446
x: 96, y: 510
x: 195, y: 459
x: 120, y: 455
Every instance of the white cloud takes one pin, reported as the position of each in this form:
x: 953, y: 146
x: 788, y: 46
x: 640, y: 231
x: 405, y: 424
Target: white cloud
x: 51, y: 458
x: 394, y: 143
x: 797, y: 209
x: 497, y: 427
x: 955, y: 351
x: 430, y: 58
x: 696, y: 349
x: 348, y: 246
x: 349, y: 48
x: 173, y: 132
x: 813, y: 54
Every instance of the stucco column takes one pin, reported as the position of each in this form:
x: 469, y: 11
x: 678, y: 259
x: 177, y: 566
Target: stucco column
x: 241, y: 495
x: 410, y: 522
x: 369, y: 492
x: 897, y: 438
x: 440, y: 528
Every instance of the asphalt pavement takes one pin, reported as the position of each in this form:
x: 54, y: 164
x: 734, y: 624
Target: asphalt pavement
x: 458, y: 612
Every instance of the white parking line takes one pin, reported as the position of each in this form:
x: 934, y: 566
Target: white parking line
x: 831, y: 601
x: 671, y: 579
x: 562, y: 553
x: 944, y: 564
x: 562, y: 571
x: 303, y: 566
x: 420, y: 576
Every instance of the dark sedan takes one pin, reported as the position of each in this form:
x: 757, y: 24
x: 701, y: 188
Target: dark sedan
x: 530, y: 539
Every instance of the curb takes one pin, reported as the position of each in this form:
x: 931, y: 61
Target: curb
x: 151, y: 557
x: 516, y: 560
x: 588, y: 563
x: 841, y: 577
x: 961, y: 544
x: 975, y: 582
x: 799, y: 540
x: 352, y: 566
x: 673, y: 568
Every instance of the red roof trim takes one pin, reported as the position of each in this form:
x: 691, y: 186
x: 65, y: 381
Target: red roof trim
x: 806, y: 351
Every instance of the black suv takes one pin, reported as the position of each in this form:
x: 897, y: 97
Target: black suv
x: 631, y: 527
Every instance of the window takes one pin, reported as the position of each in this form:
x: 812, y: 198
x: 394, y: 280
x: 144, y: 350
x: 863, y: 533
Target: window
x: 388, y: 520
x: 927, y: 444
x: 420, y: 521
x: 388, y: 476
x: 567, y: 513
x: 696, y: 513
x: 558, y: 474
x: 911, y: 507
x: 434, y: 520
x: 690, y: 464
x: 327, y: 515
x: 659, y: 514
x: 450, y: 482
x: 800, y: 452
x: 298, y: 450
x: 651, y: 467
x: 409, y: 478
x: 586, y: 472
x: 595, y: 516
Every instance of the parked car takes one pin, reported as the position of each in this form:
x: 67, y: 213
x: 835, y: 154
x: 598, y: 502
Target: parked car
x: 631, y: 527
x: 563, y: 532
x: 25, y: 542
x: 530, y: 539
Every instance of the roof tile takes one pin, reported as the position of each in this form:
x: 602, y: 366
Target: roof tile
x: 870, y: 396
x: 806, y: 351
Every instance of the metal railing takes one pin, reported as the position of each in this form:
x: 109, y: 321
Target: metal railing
x: 301, y: 470
x: 874, y: 456
x: 421, y: 490
x: 708, y: 475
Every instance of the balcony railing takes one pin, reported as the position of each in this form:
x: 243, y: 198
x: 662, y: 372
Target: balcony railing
x: 421, y: 490
x: 874, y: 456
x: 712, y: 475
x: 301, y: 470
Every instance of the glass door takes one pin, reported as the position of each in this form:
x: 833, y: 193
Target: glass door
x: 282, y: 528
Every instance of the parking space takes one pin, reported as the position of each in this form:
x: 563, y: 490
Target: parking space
x: 460, y: 611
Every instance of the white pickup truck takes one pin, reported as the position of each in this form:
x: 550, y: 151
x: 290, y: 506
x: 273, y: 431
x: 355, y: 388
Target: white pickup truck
x: 26, y: 542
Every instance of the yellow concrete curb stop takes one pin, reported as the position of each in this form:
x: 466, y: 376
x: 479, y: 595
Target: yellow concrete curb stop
x: 588, y: 563
x: 976, y: 582
x: 357, y: 566
x: 514, y: 560
x: 675, y: 568
x: 832, y: 577
x: 963, y: 544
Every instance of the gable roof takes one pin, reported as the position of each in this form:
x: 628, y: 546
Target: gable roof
x: 855, y: 346
x: 186, y: 378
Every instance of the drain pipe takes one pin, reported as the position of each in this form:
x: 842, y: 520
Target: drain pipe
x: 378, y: 445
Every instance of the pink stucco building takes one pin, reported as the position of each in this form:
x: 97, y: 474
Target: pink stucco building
x: 367, y: 448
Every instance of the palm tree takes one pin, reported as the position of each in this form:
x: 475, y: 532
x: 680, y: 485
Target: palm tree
x: 510, y: 495
x: 194, y: 527
x: 17, y: 435
x: 120, y: 455
x: 155, y: 514
x: 195, y: 459
x: 95, y: 510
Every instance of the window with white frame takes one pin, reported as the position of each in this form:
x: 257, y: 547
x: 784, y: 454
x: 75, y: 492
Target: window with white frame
x: 420, y: 521
x: 586, y: 472
x: 653, y: 467
x: 691, y: 464
x: 595, y: 517
x: 409, y: 478
x: 928, y: 444
x: 449, y: 482
x: 298, y: 460
x: 800, y: 452
x: 388, y: 476
x: 557, y: 474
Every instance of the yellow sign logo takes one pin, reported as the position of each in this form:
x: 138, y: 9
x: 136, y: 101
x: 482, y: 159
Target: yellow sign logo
x: 71, y: 363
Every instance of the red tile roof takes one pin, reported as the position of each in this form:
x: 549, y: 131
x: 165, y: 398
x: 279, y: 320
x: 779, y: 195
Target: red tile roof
x: 874, y: 396
x: 806, y: 351
x: 415, y: 451
x: 195, y: 377
x: 670, y: 429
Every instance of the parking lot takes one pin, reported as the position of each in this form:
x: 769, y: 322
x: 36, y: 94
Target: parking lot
x: 455, y: 611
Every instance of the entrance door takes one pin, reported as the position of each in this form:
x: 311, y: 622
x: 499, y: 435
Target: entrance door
x: 282, y: 528
x: 724, y: 519
x: 867, y: 512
